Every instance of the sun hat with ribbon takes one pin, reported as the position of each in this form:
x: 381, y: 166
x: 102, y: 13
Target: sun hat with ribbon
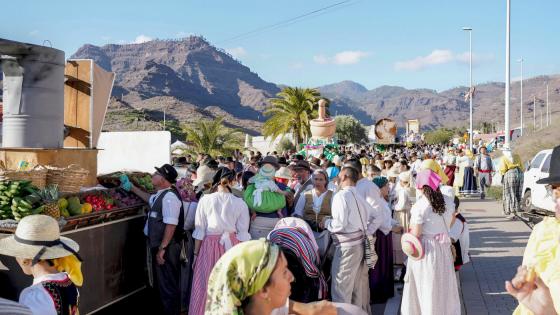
x: 283, y: 172
x: 412, y: 246
x: 267, y: 170
x: 38, y: 237
x: 427, y: 177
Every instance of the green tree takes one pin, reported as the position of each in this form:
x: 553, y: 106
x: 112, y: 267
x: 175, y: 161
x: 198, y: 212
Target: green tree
x: 285, y: 145
x: 439, y: 136
x: 350, y: 129
x: 291, y: 112
x: 212, y: 137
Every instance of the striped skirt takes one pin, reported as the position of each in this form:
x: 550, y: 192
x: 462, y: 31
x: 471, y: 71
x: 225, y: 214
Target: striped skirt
x: 210, y: 251
x: 513, y: 184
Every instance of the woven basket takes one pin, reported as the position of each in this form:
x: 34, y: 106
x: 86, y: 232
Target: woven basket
x: 69, y: 179
x: 37, y: 175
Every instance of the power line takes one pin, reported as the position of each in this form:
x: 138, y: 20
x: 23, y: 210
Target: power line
x: 285, y: 22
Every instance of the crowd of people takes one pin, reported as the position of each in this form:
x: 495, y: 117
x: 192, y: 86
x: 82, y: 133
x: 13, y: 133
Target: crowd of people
x: 285, y: 234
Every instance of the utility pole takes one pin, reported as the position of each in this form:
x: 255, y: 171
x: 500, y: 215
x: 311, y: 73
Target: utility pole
x: 506, y: 120
x: 547, y: 107
x: 534, y: 113
x: 521, y: 96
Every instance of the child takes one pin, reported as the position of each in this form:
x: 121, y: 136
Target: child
x: 263, y: 194
x: 459, y: 234
x: 53, y: 262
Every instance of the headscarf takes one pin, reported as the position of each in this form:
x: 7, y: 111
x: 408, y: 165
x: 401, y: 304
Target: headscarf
x: 380, y: 181
x: 72, y: 266
x: 333, y: 172
x: 296, y: 241
x: 431, y: 164
x: 240, y: 273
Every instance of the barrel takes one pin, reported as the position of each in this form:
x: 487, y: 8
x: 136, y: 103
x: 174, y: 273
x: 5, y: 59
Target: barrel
x: 33, y: 95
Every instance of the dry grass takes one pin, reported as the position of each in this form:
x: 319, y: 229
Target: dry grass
x: 534, y: 141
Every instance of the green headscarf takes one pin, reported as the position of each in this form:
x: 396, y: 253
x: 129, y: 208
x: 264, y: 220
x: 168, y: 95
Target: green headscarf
x: 380, y: 181
x: 239, y: 273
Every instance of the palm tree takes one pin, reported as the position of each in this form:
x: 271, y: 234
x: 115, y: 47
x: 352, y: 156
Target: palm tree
x: 212, y: 137
x: 291, y: 112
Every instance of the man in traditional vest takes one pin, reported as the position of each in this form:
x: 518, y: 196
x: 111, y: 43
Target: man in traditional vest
x: 483, y: 168
x: 164, y: 229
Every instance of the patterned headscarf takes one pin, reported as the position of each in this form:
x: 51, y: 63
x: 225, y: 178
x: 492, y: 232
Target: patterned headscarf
x: 296, y: 241
x: 240, y: 273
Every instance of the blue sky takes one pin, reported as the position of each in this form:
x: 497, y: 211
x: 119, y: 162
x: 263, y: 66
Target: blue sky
x: 411, y: 43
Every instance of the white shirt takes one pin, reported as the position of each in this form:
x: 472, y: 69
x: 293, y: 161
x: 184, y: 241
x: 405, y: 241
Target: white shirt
x: 371, y: 194
x: 220, y: 213
x: 37, y: 298
x: 460, y: 231
x: 317, y: 202
x: 403, y: 200
x: 465, y: 161
x: 415, y: 166
x: 432, y: 223
x: 170, y: 208
x: 350, y: 212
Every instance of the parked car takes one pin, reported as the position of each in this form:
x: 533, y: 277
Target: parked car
x: 535, y: 196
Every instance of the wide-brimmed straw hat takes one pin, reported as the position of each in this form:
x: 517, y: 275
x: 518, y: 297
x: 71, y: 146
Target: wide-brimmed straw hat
x: 412, y: 246
x: 284, y: 173
x: 38, y: 237
x: 204, y: 175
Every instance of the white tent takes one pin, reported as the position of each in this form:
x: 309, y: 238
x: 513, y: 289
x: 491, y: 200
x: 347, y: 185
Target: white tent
x: 178, y: 145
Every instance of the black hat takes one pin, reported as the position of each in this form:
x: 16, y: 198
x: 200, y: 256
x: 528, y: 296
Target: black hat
x: 270, y: 160
x: 554, y: 170
x: 213, y: 164
x: 300, y: 165
x: 229, y: 159
x: 282, y: 161
x: 168, y: 172
x: 221, y: 173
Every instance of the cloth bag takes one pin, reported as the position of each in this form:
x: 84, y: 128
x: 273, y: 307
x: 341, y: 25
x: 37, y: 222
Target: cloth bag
x: 271, y: 201
x: 369, y: 242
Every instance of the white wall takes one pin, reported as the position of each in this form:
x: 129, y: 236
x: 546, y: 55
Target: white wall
x: 133, y: 150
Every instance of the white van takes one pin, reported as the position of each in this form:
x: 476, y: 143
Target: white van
x: 535, y: 196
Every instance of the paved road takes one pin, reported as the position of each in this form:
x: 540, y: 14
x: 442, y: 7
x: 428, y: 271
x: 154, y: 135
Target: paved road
x: 496, y: 250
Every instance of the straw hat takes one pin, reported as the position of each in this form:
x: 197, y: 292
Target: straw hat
x: 267, y: 170
x: 204, y: 175
x: 284, y: 173
x: 38, y: 237
x: 405, y: 176
x: 412, y: 246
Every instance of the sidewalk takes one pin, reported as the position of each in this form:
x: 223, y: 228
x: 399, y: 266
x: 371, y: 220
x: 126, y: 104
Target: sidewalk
x: 496, y: 250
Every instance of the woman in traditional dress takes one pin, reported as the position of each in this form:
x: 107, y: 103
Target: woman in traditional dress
x: 402, y: 214
x: 253, y: 278
x: 450, y: 162
x: 381, y: 281
x: 430, y: 284
x: 511, y: 169
x: 221, y: 221
x: 466, y: 163
x: 316, y: 203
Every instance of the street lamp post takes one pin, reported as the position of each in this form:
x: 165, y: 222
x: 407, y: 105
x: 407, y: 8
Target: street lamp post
x: 547, y: 108
x: 521, y: 95
x: 471, y: 94
x: 506, y: 120
x: 534, y: 113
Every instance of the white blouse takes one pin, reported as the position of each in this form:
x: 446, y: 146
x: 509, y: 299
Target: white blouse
x: 220, y: 213
x: 37, y: 298
x: 432, y: 223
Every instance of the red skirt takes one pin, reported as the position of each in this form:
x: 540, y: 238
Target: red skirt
x: 450, y: 172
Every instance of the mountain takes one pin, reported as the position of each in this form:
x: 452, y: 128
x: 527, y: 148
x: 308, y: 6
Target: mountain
x: 447, y: 108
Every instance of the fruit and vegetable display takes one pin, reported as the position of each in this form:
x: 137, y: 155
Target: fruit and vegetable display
x: 139, y: 179
x: 18, y: 199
